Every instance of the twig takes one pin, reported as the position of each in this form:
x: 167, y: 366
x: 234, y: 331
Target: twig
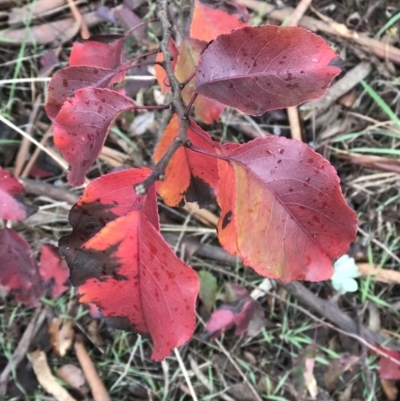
x: 177, y: 102
x: 294, y: 122
x: 36, y: 152
x: 79, y: 20
x: 298, y: 12
x: 43, y: 189
x: 293, y: 113
x: 97, y: 387
x: 24, y: 148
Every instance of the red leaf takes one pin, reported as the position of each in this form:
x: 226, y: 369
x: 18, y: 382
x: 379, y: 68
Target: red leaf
x: 208, y: 23
x: 283, y: 67
x: 11, y: 193
x: 82, y: 125
x: 285, y: 215
x: 103, y: 51
x: 68, y: 80
x: 189, y: 175
x: 161, y: 76
x: 241, y: 313
x: 19, y: 271
x: 53, y: 271
x: 207, y: 110
x: 388, y: 369
x: 132, y: 275
x: 125, y: 267
x: 105, y: 199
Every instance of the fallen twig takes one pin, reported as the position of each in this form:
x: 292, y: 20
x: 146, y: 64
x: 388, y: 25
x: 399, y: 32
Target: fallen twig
x: 96, y: 385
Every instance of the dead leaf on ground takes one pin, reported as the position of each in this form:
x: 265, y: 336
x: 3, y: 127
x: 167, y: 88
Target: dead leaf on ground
x: 34, y: 10
x: 377, y: 274
x: 74, y: 377
x: 94, y: 334
x: 45, y: 377
x: 242, y: 391
x: 337, y: 367
x: 61, y: 335
x: 54, y: 33
x: 390, y: 389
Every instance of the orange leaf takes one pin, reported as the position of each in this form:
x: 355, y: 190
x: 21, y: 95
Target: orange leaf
x: 207, y: 110
x: 189, y: 175
x: 160, y: 72
x: 208, y: 23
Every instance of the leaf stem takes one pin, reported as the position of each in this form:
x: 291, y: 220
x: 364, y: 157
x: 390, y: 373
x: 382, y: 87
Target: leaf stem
x: 190, y: 104
x: 187, y: 80
x: 140, y: 25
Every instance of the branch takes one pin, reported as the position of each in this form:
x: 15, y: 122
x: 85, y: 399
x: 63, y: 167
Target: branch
x: 176, y: 103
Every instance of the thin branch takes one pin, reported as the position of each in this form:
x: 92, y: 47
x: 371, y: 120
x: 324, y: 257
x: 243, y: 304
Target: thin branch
x: 140, y: 25
x: 187, y: 80
x: 190, y: 104
x: 176, y: 103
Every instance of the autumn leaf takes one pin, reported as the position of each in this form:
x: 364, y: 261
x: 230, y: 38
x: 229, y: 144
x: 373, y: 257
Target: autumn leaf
x: 208, y: 22
x: 12, y: 206
x: 53, y: 271
x: 243, y: 312
x: 388, y: 369
x: 283, y: 67
x: 206, y: 110
x: 82, y: 125
x: 161, y: 75
x: 285, y: 215
x: 103, y: 51
x: 120, y: 262
x: 105, y: 199
x: 67, y: 81
x: 189, y: 175
x: 19, y: 272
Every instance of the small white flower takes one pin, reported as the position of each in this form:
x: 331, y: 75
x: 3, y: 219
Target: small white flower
x: 345, y: 271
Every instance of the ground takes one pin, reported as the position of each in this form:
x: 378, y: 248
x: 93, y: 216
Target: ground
x: 356, y: 129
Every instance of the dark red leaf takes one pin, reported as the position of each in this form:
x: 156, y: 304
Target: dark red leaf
x: 68, y: 80
x: 209, y: 22
x: 388, y: 369
x: 242, y: 313
x: 267, y: 67
x: 284, y: 214
x: 207, y: 110
x: 133, y: 276
x: 19, y: 272
x: 53, y: 271
x: 82, y: 125
x: 11, y: 194
x: 189, y: 175
x: 103, y: 51
x: 105, y: 199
